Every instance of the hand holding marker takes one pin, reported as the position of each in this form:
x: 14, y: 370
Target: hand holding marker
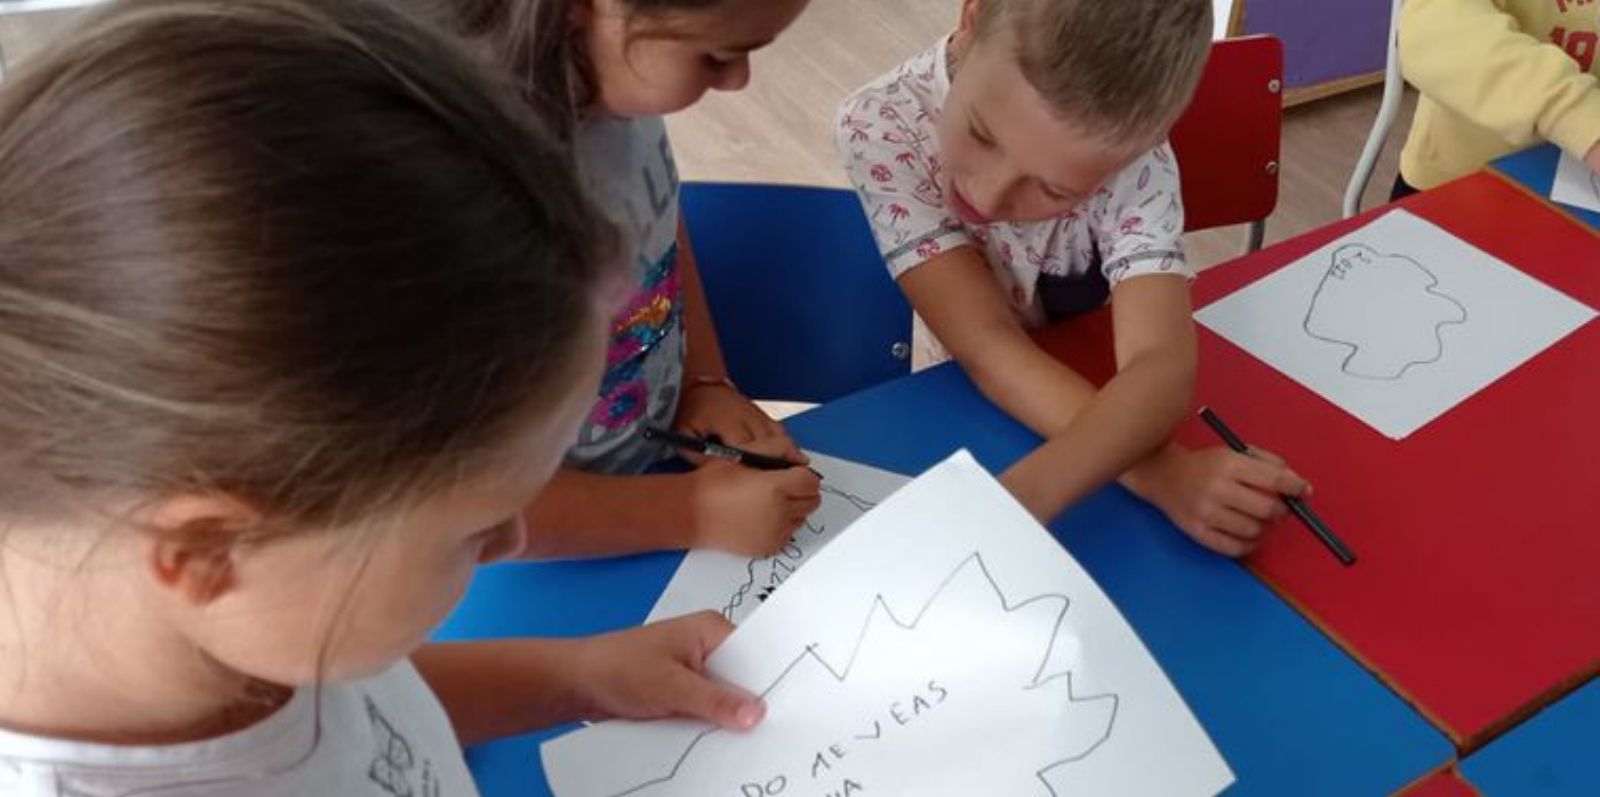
x: 1299, y: 507
x: 716, y: 449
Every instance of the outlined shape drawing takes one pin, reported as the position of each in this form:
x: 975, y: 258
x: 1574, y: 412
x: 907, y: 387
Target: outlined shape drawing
x: 1024, y: 636
x: 1399, y: 320
x: 764, y: 575
x: 946, y: 646
x: 735, y: 586
x: 1362, y: 299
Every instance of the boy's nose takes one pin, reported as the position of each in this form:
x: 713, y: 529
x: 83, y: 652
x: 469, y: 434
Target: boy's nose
x: 988, y: 198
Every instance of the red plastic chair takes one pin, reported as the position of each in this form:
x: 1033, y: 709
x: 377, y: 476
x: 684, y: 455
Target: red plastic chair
x: 1228, y: 140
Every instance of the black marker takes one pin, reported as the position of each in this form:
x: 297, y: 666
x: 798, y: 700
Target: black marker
x: 1297, y: 506
x: 716, y: 449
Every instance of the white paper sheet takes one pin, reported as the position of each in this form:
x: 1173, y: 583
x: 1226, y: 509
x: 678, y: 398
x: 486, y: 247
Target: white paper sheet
x: 945, y: 646
x: 1397, y: 322
x: 737, y: 585
x: 1576, y: 185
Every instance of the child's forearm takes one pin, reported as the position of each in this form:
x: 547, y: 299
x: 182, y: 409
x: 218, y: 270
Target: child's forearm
x: 586, y: 514
x: 1130, y: 418
x: 495, y: 689
x: 1092, y: 435
x: 1048, y: 397
x: 957, y: 296
x: 1146, y: 475
x: 703, y: 351
x: 1028, y: 384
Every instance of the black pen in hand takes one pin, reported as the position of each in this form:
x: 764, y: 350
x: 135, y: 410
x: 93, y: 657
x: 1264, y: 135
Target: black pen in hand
x: 716, y: 449
x: 1298, y: 506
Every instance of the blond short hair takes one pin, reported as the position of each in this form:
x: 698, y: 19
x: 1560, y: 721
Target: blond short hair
x: 1123, y: 69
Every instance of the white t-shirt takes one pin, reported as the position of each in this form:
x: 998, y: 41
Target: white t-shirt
x: 627, y: 165
x: 385, y: 736
x: 887, y: 136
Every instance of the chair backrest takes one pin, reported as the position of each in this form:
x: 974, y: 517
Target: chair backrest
x: 1394, y: 85
x: 1228, y: 140
x: 804, y: 306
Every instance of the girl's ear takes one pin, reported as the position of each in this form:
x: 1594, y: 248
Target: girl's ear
x: 581, y: 13
x: 193, y: 544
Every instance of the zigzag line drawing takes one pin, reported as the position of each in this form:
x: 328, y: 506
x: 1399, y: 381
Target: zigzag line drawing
x: 737, y: 599
x: 880, y: 606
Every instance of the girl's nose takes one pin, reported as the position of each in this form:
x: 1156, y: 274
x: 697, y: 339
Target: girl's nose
x: 510, y: 539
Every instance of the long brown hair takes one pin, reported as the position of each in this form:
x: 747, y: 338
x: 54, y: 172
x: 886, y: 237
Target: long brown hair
x: 538, y: 43
x: 303, y: 253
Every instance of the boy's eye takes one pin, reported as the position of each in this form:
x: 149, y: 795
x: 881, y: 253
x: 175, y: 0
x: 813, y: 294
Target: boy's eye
x: 1055, y: 194
x: 984, y: 139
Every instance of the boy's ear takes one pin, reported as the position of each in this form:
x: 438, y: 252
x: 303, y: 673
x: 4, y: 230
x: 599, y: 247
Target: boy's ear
x: 193, y: 544
x: 967, y: 27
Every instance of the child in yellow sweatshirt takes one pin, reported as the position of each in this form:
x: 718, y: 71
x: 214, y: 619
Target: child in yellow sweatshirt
x: 1497, y: 76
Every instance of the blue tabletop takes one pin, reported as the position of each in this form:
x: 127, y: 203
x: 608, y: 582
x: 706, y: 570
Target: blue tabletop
x: 1535, y: 169
x: 1290, y: 712
x: 1554, y: 754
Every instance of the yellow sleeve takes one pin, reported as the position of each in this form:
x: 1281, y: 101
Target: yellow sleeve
x: 1472, y: 58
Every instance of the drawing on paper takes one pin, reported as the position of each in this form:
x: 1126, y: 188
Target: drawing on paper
x: 970, y: 644
x: 736, y: 586
x: 1387, y: 309
x: 765, y: 575
x: 1575, y: 184
x: 946, y: 645
x: 1397, y: 322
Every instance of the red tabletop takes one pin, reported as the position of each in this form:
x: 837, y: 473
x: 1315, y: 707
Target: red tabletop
x: 1441, y: 784
x: 1477, y: 593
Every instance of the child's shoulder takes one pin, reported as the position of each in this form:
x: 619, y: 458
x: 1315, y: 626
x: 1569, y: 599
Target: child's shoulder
x: 906, y: 96
x: 1155, y: 172
x: 386, y: 734
x: 614, y: 132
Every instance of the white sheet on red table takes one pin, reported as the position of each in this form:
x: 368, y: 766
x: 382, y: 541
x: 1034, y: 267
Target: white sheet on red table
x: 1576, y: 185
x: 1397, y: 322
x: 945, y: 646
x: 738, y: 585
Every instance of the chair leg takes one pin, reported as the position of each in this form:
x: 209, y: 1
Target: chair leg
x: 1393, y: 93
x: 1258, y: 235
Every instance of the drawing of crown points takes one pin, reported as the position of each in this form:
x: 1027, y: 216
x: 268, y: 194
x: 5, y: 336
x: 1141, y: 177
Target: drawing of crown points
x: 908, y: 664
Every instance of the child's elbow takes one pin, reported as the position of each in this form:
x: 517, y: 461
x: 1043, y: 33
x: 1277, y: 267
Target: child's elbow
x: 1186, y: 365
x: 1178, y: 387
x: 1183, y: 389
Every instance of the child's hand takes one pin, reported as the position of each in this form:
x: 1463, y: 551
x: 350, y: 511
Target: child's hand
x: 719, y: 410
x: 1224, y: 500
x: 659, y: 671
x: 750, y: 512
